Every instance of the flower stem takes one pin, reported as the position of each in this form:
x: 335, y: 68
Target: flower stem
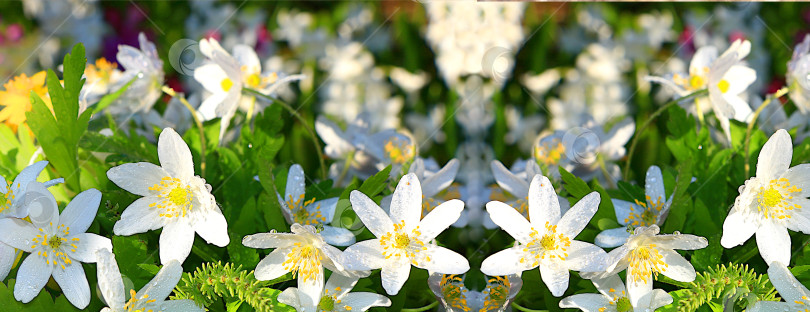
x: 519, y: 308
x: 303, y: 122
x: 603, y: 166
x: 779, y: 93
x: 649, y: 121
x: 197, y: 121
x: 346, y: 165
x: 251, y: 110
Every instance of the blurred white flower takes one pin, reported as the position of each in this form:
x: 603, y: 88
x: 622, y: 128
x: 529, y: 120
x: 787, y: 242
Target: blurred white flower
x: 584, y: 151
x: 547, y: 240
x: 475, y: 177
x: 540, y: 84
x: 798, y: 75
x: 407, y: 81
x: 522, y: 128
x: 646, y: 254
x: 796, y: 296
x: 403, y: 237
x: 658, y: 28
x: 771, y: 202
x: 100, y: 77
x: 462, y: 33
x: 427, y: 128
x: 173, y: 199
x: 311, y: 212
x: 152, y: 296
x: 653, y: 210
x: 58, y: 244
x: 145, y: 66
x: 302, y: 252
x: 335, y: 297
x: 613, y: 297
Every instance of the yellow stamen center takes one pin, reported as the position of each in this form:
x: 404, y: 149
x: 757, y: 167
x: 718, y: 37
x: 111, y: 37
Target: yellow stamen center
x: 56, y: 244
x: 8, y: 198
x: 398, y: 150
x: 253, y: 80
x: 133, y: 303
x: 399, y: 243
x: 328, y: 302
x: 648, y: 215
x: 302, y: 215
x: 723, y: 86
x: 775, y: 199
x: 453, y: 292
x: 496, y: 294
x: 549, y: 153
x: 550, y: 244
x: 304, y: 260
x: 645, y: 260
x: 226, y: 84
x: 621, y: 302
x: 176, y: 197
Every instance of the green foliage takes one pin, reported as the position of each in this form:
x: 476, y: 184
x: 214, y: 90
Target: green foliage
x: 719, y: 283
x: 214, y: 281
x: 41, y: 303
x: 59, y: 132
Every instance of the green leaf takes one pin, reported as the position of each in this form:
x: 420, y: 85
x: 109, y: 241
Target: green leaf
x: 681, y: 203
x: 59, y: 133
x: 707, y: 257
x: 110, y: 98
x: 132, y: 252
x: 575, y: 186
x: 376, y: 183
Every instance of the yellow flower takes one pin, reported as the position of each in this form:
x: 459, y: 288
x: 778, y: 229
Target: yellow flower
x: 101, y: 71
x: 15, y: 98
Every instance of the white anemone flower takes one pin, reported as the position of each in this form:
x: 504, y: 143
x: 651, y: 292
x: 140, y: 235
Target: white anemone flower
x: 57, y: 244
x: 152, y: 296
x: 653, y: 210
x: 547, y: 241
x: 173, y: 199
x: 771, y: 202
x: 311, y: 212
x: 646, y: 254
x: 225, y: 77
x: 341, y: 146
x: 517, y: 181
x: 302, y: 252
x: 613, y: 297
x: 11, y: 206
x: 797, y: 297
x: 145, y: 66
x: 432, y: 180
x: 335, y: 297
x: 403, y: 238
x: 726, y: 78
